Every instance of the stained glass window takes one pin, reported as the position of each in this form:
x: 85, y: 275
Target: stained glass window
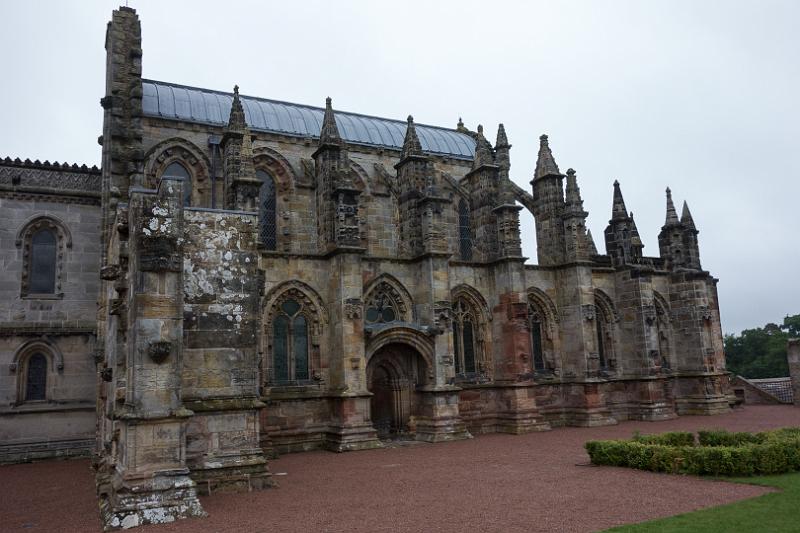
x: 177, y: 170
x: 43, y: 262
x: 36, y: 378
x: 267, y: 211
x: 601, y: 338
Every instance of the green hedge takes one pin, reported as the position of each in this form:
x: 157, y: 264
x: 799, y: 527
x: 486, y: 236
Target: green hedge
x: 718, y: 453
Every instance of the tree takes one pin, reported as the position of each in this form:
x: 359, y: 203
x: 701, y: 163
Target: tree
x: 761, y: 352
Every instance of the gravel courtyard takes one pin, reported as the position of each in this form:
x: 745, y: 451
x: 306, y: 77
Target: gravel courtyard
x: 536, y: 482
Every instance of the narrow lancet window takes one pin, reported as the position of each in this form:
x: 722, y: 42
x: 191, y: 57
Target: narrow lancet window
x: 290, y: 344
x: 464, y: 231
x: 267, y: 212
x: 36, y: 378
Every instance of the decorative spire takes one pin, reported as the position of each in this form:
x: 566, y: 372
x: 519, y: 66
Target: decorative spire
x: 573, y: 192
x: 618, y: 209
x: 483, y: 150
x: 502, y: 140
x: 329, y: 134
x: 686, y: 217
x: 636, y: 239
x: 411, y: 144
x: 672, y: 215
x: 236, y: 120
x: 460, y: 126
x: 590, y: 243
x: 545, y: 164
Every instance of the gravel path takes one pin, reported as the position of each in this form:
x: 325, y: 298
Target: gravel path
x: 536, y: 482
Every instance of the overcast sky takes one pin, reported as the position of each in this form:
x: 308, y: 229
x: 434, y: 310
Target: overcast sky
x: 702, y: 96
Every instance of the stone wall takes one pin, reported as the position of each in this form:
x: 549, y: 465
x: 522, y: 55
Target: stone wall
x: 61, y: 326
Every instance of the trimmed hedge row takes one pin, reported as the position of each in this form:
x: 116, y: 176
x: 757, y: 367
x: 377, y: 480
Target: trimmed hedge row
x: 719, y: 453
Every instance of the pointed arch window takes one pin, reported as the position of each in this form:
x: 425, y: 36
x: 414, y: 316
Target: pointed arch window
x: 537, y: 329
x: 603, y: 341
x: 42, y: 265
x: 464, y: 231
x: 36, y: 378
x: 267, y: 211
x: 382, y: 306
x: 177, y: 170
x: 465, y: 339
x: 290, y: 344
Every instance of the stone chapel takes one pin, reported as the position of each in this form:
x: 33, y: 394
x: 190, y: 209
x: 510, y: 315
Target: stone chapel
x: 245, y: 277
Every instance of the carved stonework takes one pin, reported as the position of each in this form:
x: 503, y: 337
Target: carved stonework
x: 703, y: 312
x: 110, y: 272
x: 353, y: 308
x: 589, y: 312
x: 650, y: 314
x: 159, y: 351
x: 442, y: 314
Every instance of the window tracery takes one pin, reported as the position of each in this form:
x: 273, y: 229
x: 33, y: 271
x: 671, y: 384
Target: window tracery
x: 464, y: 231
x: 290, y: 342
x: 466, y: 339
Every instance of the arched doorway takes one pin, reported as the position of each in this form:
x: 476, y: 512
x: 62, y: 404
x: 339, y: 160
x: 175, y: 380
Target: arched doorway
x: 394, y: 373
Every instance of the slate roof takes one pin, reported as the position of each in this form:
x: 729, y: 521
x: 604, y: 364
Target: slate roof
x: 204, y: 106
x: 781, y: 388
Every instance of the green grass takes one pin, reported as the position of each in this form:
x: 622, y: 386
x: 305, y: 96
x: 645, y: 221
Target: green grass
x: 776, y: 512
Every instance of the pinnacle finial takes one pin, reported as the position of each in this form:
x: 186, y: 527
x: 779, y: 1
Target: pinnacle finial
x: 686, y: 217
x: 502, y: 140
x: 483, y: 150
x: 329, y: 133
x: 573, y: 192
x: 590, y: 242
x: 236, y: 120
x: 411, y: 144
x: 545, y: 164
x: 672, y: 215
x: 618, y: 210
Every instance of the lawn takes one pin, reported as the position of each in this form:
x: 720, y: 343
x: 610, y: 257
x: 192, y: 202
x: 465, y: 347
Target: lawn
x: 773, y: 512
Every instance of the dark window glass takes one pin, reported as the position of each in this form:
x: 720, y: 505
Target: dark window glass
x: 464, y: 231
x: 300, y: 348
x: 290, y: 307
x: 457, y: 342
x: 601, y: 346
x: 176, y: 170
x: 36, y: 378
x: 280, y: 348
x: 536, y: 340
x: 42, y: 278
x: 267, y: 211
x: 469, y: 349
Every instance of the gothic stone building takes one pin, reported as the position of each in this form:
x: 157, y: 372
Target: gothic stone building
x: 272, y: 277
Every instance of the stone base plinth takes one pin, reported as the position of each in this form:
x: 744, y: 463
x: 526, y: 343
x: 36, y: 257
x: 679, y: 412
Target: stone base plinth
x: 715, y: 405
x: 655, y: 411
x: 241, y: 472
x: 589, y: 417
x: 155, y: 498
x: 351, y: 438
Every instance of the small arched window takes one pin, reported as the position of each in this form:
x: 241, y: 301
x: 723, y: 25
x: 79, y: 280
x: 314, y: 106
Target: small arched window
x: 464, y: 338
x: 42, y: 265
x: 36, y: 378
x: 267, y: 211
x: 177, y: 170
x: 290, y: 344
x: 464, y: 231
